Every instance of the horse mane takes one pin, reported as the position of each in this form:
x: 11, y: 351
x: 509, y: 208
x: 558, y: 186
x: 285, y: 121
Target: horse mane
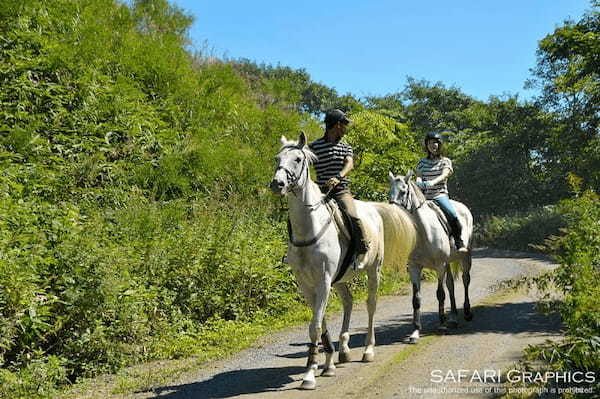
x: 416, y: 191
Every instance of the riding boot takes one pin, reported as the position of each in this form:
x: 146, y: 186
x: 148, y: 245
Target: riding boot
x: 457, y: 234
x: 361, y: 242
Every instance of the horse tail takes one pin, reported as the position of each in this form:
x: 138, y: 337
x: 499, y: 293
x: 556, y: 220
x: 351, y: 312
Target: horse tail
x: 400, y: 235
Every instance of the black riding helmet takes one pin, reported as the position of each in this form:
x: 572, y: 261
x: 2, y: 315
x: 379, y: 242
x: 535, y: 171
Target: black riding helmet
x: 433, y: 136
x: 437, y: 136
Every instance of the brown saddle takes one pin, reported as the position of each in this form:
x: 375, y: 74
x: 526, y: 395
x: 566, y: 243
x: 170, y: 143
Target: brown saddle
x: 343, y: 224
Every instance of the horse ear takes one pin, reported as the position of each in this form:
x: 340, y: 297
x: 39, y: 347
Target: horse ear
x: 283, y: 140
x: 391, y: 176
x: 302, y: 139
x: 409, y: 175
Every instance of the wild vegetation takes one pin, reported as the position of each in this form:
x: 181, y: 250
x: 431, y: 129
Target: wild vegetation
x: 135, y: 223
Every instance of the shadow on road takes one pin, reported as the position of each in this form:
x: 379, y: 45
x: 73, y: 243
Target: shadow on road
x: 505, y: 318
x: 233, y: 383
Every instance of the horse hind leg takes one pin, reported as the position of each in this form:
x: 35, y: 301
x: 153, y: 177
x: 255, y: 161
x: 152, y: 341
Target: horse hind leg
x: 373, y: 286
x: 346, y: 297
x: 453, y: 317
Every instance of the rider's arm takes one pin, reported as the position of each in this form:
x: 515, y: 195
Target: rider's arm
x: 348, y: 166
x: 446, y: 172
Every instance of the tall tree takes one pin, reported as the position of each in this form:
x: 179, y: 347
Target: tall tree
x: 568, y: 72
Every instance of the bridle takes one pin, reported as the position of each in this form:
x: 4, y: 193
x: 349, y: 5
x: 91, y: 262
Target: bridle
x: 294, y: 182
x: 404, y: 202
x: 291, y: 176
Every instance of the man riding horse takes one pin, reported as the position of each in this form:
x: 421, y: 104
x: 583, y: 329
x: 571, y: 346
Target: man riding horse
x: 334, y: 163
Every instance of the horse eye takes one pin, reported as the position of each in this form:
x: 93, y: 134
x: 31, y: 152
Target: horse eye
x: 298, y: 160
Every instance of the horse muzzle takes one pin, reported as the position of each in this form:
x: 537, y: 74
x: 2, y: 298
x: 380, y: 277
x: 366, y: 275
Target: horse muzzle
x: 277, y: 187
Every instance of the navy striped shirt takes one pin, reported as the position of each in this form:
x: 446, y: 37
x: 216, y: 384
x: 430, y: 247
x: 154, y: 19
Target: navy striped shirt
x: 330, y: 159
x: 429, y: 169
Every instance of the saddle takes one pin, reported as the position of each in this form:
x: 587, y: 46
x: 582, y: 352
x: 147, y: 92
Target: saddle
x: 343, y: 224
x: 342, y: 221
x: 441, y: 216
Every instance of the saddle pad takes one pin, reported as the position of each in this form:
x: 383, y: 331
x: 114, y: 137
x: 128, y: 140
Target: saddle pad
x: 440, y: 215
x: 341, y: 221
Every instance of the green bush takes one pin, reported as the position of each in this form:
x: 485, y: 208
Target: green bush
x: 576, y: 279
x: 519, y: 231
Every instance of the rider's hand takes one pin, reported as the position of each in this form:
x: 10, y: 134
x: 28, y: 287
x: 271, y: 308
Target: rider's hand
x: 424, y: 184
x: 334, y: 181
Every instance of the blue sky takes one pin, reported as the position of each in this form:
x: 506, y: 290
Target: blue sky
x: 370, y: 47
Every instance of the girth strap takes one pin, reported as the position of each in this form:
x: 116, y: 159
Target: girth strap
x: 307, y: 243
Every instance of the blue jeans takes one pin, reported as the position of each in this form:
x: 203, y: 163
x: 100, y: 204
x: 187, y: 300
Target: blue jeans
x: 444, y: 203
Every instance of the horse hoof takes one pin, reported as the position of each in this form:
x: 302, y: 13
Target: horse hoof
x: 468, y: 316
x: 308, y: 385
x: 330, y: 372
x: 344, y: 357
x: 452, y: 324
x: 368, y: 357
x: 412, y: 340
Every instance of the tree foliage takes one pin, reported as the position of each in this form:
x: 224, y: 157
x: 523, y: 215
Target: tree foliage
x: 568, y: 72
x: 381, y: 144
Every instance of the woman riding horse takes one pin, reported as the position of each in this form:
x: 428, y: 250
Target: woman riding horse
x: 432, y: 175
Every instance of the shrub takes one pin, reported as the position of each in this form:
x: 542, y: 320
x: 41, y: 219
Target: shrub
x: 578, y: 251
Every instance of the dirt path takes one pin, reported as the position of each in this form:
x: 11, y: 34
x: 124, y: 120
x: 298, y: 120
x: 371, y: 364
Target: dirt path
x: 504, y: 323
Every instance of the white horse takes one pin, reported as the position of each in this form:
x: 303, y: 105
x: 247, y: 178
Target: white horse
x: 317, y: 250
x: 434, y: 249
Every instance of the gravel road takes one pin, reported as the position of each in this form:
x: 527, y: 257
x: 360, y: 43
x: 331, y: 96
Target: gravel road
x: 504, y: 323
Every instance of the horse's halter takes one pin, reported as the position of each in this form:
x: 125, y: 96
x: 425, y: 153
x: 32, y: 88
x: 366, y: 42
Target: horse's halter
x: 293, y: 179
x: 403, y: 202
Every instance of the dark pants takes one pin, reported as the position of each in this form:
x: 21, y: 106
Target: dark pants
x: 345, y: 200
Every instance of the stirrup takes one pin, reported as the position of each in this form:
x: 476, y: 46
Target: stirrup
x: 363, y: 247
x: 358, y: 262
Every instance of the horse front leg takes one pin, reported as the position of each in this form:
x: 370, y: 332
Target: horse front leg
x: 373, y: 286
x: 441, y: 297
x: 453, y: 318
x: 329, y: 367
x: 415, y: 278
x: 346, y: 297
x: 318, y: 307
x: 466, y: 276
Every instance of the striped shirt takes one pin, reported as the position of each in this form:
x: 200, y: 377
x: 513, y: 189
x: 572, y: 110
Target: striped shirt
x: 429, y: 169
x: 330, y: 159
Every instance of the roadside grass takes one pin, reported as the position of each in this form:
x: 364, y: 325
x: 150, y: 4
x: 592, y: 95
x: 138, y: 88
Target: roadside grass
x: 223, y: 341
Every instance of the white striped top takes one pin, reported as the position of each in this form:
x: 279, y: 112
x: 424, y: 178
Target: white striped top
x: 330, y: 160
x: 429, y: 169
